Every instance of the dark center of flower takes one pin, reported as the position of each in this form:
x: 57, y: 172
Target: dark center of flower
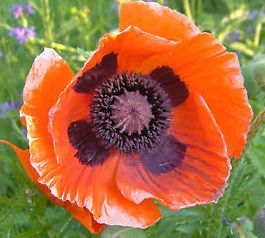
x: 130, y: 112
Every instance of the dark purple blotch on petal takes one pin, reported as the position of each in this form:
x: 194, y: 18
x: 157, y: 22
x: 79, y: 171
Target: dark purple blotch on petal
x: 89, y: 149
x: 96, y: 75
x: 165, y: 158
x: 171, y: 83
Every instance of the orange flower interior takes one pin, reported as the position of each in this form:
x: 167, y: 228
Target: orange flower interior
x: 130, y: 112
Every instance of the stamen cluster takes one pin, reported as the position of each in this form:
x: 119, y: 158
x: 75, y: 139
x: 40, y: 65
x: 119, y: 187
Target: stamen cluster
x: 130, y: 112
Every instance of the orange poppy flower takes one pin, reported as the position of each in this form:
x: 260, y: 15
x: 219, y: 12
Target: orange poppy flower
x: 153, y: 114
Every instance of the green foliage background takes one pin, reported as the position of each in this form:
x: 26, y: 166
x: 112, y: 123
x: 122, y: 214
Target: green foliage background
x: 73, y: 29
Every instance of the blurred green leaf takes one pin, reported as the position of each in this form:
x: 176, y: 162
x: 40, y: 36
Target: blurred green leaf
x: 256, y: 152
x: 259, y: 223
x: 122, y: 232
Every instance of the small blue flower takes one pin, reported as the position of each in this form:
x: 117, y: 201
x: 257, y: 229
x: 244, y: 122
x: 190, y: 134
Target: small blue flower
x: 7, y: 107
x: 1, y: 54
x: 249, y: 29
x: 238, y: 53
x: 22, y: 34
x: 235, y: 35
x: 25, y: 132
x: 28, y: 8
x: 116, y: 5
x: 18, y: 9
x: 252, y: 14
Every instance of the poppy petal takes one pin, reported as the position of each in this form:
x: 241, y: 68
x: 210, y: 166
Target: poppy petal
x: 191, y: 168
x: 49, y: 75
x: 83, y: 215
x: 80, y: 214
x: 207, y: 68
x: 85, y: 218
x: 97, y: 191
x: 157, y: 20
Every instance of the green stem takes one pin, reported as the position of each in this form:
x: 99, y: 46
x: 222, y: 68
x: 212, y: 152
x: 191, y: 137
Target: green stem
x: 241, y: 47
x: 64, y: 227
x: 5, y: 26
x: 193, y: 9
x: 199, y: 10
x: 187, y: 9
x: 256, y: 124
x: 44, y: 225
x: 47, y: 20
x: 54, y: 45
x: 257, y: 34
x: 238, y: 166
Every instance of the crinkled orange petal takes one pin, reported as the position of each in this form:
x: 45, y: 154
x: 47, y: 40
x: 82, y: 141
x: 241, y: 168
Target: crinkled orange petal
x: 210, y: 70
x: 80, y: 214
x: 132, y: 45
x: 47, y: 78
x: 83, y: 215
x: 95, y: 188
x: 198, y: 178
x: 157, y: 20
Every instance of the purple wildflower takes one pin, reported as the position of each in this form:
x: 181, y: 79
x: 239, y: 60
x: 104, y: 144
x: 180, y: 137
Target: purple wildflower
x: 249, y: 29
x: 28, y: 8
x: 116, y: 5
x: 7, y: 107
x: 1, y: 54
x: 252, y: 14
x: 238, y: 53
x: 25, y: 132
x: 16, y: 10
x: 22, y: 34
x: 235, y: 35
